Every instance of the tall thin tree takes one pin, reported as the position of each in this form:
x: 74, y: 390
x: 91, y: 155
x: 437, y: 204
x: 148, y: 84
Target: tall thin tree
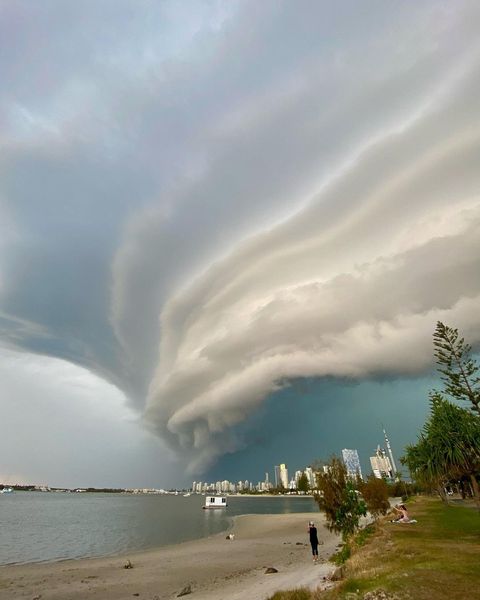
x: 460, y: 372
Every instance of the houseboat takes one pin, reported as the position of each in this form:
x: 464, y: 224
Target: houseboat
x: 215, y: 502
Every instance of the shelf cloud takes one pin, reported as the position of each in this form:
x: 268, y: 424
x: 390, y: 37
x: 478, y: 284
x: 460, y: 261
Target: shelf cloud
x: 202, y: 201
x: 350, y: 286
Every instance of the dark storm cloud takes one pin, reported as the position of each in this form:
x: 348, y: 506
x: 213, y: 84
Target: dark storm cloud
x: 201, y: 201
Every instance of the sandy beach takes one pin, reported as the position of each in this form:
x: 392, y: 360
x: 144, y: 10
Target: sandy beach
x: 215, y: 568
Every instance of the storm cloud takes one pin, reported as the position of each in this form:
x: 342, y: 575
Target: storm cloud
x: 202, y: 201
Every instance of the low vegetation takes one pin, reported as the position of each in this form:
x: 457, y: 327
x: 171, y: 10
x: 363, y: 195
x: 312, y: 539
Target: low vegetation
x: 434, y: 558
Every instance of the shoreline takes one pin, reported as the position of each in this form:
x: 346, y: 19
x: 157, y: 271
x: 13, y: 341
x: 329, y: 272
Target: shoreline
x: 214, y: 567
x: 227, y: 525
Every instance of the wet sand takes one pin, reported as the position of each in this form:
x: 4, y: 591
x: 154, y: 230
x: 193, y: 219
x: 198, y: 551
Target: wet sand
x: 214, y: 567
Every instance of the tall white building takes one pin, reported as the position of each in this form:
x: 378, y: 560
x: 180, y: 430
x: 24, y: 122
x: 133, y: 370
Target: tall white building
x: 311, y: 478
x: 390, y: 454
x: 381, y: 465
x: 298, y: 474
x: 352, y: 463
x: 281, y: 476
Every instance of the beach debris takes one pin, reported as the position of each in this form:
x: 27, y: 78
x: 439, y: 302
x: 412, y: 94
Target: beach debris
x: 186, y: 590
x: 230, y: 536
x: 136, y: 594
x: 270, y: 570
x: 128, y: 565
x: 298, y: 543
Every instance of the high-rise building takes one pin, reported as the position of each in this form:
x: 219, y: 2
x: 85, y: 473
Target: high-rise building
x: 381, y: 465
x: 266, y: 484
x: 298, y: 474
x: 352, y: 463
x: 390, y: 454
x: 311, y: 478
x: 276, y: 471
x: 284, y: 475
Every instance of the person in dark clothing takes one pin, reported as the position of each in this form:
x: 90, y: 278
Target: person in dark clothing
x: 312, y: 530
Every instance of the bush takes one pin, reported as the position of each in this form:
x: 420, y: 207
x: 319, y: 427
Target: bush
x: 375, y: 493
x: 339, y: 499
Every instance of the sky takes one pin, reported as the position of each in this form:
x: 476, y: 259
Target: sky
x: 227, y: 231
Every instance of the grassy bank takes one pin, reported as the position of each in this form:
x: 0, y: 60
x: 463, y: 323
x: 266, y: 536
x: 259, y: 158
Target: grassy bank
x: 438, y: 557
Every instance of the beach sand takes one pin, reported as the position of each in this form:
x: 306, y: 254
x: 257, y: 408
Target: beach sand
x: 214, y: 567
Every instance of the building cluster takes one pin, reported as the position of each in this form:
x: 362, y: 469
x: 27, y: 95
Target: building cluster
x: 281, y: 481
x: 382, y: 463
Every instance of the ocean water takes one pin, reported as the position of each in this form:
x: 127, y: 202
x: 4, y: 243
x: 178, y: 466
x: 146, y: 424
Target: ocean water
x: 36, y: 526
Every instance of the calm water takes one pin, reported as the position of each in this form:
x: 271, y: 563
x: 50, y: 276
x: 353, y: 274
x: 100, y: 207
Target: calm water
x: 49, y: 526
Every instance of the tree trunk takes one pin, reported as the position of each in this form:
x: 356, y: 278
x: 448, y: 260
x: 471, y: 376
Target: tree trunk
x: 476, y: 491
x: 442, y: 494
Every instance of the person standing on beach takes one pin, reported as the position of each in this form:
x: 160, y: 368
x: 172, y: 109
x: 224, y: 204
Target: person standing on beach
x: 312, y: 530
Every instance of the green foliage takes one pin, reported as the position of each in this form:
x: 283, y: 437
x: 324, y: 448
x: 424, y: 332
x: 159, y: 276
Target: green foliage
x: 375, y: 494
x: 460, y: 372
x: 341, y: 557
x: 448, y: 446
x: 303, y: 485
x: 364, y: 534
x: 338, y: 498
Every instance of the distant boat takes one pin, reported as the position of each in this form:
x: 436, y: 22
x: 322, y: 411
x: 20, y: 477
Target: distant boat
x: 6, y: 490
x: 186, y: 495
x: 215, y: 502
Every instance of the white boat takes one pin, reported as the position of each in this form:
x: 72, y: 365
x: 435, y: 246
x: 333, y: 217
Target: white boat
x: 215, y: 502
x: 186, y: 495
x: 6, y: 490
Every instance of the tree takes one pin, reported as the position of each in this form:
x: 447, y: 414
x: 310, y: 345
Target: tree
x: 461, y: 373
x: 303, y: 485
x: 375, y: 494
x: 448, y: 447
x: 338, y: 498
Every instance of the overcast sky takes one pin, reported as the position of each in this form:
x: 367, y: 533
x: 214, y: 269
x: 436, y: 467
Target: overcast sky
x: 222, y: 220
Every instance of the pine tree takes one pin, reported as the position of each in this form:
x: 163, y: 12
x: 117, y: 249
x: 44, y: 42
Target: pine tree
x: 460, y: 372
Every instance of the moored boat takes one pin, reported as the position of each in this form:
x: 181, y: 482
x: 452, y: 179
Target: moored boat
x: 215, y: 502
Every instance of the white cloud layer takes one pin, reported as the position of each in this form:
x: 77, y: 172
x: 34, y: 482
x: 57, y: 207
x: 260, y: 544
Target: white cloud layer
x: 201, y: 201
x: 351, y: 285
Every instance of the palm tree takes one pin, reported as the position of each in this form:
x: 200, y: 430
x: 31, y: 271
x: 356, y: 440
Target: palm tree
x: 448, y: 447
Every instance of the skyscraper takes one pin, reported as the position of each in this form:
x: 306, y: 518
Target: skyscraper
x: 381, y: 465
x: 352, y: 463
x: 276, y: 470
x: 390, y: 454
x: 311, y: 477
x: 284, y: 475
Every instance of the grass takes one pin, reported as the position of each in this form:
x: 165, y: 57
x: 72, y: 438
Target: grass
x: 298, y: 594
x: 438, y: 557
